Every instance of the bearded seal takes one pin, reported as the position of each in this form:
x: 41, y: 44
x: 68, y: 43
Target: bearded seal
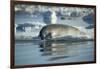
x: 54, y: 31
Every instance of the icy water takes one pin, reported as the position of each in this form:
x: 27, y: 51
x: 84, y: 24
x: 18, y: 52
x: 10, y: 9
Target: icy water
x: 36, y: 52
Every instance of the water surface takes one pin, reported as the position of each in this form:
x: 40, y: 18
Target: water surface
x: 37, y: 52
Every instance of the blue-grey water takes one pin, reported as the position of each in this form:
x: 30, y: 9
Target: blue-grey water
x: 36, y: 52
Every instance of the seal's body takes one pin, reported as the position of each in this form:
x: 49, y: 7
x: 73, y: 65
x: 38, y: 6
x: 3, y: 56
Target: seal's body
x: 58, y: 30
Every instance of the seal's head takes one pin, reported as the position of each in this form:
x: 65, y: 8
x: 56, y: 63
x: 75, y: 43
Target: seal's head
x: 45, y: 33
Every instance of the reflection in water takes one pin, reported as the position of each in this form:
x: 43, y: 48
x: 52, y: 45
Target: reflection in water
x: 57, y: 58
x: 61, y: 49
x: 46, y: 52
